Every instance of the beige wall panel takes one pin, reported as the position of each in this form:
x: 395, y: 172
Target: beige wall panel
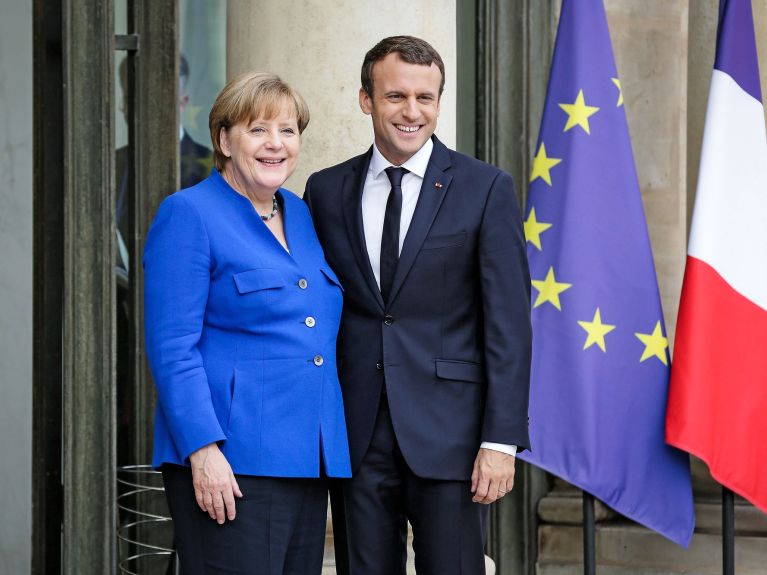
x: 702, y: 46
x: 318, y: 46
x: 760, y: 24
x: 650, y: 43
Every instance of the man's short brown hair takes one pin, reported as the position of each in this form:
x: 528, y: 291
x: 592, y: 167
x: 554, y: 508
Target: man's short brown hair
x: 250, y: 96
x: 409, y: 48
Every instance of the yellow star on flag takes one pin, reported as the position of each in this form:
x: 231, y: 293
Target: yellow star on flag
x: 549, y: 290
x: 578, y: 113
x: 617, y: 83
x: 596, y: 331
x: 534, y: 229
x: 655, y: 344
x: 542, y: 164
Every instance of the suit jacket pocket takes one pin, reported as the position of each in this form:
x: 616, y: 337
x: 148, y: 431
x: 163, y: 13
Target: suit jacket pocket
x: 244, y: 424
x: 258, y: 279
x: 232, y: 392
x: 444, y: 241
x: 460, y: 370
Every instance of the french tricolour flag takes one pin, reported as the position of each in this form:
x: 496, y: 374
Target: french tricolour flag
x: 717, y: 407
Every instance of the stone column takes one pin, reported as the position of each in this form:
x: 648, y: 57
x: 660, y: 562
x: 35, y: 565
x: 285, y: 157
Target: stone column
x: 87, y: 303
x: 318, y: 45
x: 650, y: 43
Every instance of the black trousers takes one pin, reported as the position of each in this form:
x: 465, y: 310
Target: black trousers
x: 279, y: 528
x: 371, y: 510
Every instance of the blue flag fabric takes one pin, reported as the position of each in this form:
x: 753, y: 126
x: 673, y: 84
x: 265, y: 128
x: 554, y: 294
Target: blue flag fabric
x: 600, y: 354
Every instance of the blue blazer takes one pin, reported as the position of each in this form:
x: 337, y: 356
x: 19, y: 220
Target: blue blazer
x: 241, y: 336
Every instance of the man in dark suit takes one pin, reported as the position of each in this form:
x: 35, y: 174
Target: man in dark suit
x: 196, y: 159
x: 435, y: 341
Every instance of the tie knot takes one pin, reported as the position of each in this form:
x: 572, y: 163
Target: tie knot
x: 395, y: 175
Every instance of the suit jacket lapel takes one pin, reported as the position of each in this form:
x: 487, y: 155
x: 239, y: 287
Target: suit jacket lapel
x: 352, y: 206
x: 433, y: 189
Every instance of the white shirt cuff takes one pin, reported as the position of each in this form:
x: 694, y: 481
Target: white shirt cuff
x: 502, y: 447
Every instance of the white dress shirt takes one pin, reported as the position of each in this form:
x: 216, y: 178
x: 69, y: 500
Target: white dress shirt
x: 376, y: 193
x: 374, y: 197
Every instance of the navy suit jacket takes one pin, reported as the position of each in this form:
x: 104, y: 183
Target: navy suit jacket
x: 241, y: 336
x: 454, y: 343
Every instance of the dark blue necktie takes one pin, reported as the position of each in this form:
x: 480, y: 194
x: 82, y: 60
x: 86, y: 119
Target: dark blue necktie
x: 390, y: 236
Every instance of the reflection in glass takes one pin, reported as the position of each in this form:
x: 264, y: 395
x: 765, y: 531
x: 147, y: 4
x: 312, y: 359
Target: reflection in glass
x: 196, y: 160
x: 202, y: 75
x: 121, y: 16
x: 123, y: 197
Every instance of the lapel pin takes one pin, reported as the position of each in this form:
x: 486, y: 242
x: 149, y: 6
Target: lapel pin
x: 437, y: 184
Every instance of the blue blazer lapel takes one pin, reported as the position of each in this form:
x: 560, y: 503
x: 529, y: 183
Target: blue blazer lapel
x: 353, y: 183
x: 296, y: 231
x: 433, y: 189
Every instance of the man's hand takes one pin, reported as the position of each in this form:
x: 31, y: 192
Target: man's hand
x: 214, y: 483
x: 492, y: 477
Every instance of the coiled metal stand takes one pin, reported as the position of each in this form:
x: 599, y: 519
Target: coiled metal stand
x: 145, y: 530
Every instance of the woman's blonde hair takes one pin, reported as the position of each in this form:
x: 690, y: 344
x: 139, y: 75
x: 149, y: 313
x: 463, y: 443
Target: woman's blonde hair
x: 249, y: 96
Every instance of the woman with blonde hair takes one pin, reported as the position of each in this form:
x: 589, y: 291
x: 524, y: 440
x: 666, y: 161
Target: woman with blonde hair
x: 241, y: 317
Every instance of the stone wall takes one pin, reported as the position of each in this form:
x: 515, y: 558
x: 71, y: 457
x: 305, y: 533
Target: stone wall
x: 650, y: 44
x: 318, y: 46
x: 16, y: 286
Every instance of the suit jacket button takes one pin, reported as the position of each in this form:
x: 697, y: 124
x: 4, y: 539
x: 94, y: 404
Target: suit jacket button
x: 318, y: 361
x: 302, y: 283
x: 388, y: 320
x: 379, y: 366
x: 309, y: 321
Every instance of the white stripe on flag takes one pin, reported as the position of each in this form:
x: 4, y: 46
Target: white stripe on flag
x: 729, y: 230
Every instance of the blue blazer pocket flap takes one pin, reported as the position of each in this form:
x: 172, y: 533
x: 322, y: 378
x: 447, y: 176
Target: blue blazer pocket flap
x: 330, y: 274
x: 460, y: 370
x: 258, y: 279
x: 444, y: 241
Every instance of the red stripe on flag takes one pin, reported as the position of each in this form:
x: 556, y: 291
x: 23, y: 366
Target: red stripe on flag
x: 717, y: 408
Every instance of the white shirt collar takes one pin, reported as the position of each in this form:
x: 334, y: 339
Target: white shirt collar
x: 416, y: 164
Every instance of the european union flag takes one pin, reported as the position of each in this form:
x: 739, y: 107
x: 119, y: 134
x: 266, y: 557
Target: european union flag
x: 600, y: 354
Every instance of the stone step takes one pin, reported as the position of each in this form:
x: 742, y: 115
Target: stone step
x: 628, y: 549
x: 625, y: 548
x: 329, y: 561
x: 567, y: 509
